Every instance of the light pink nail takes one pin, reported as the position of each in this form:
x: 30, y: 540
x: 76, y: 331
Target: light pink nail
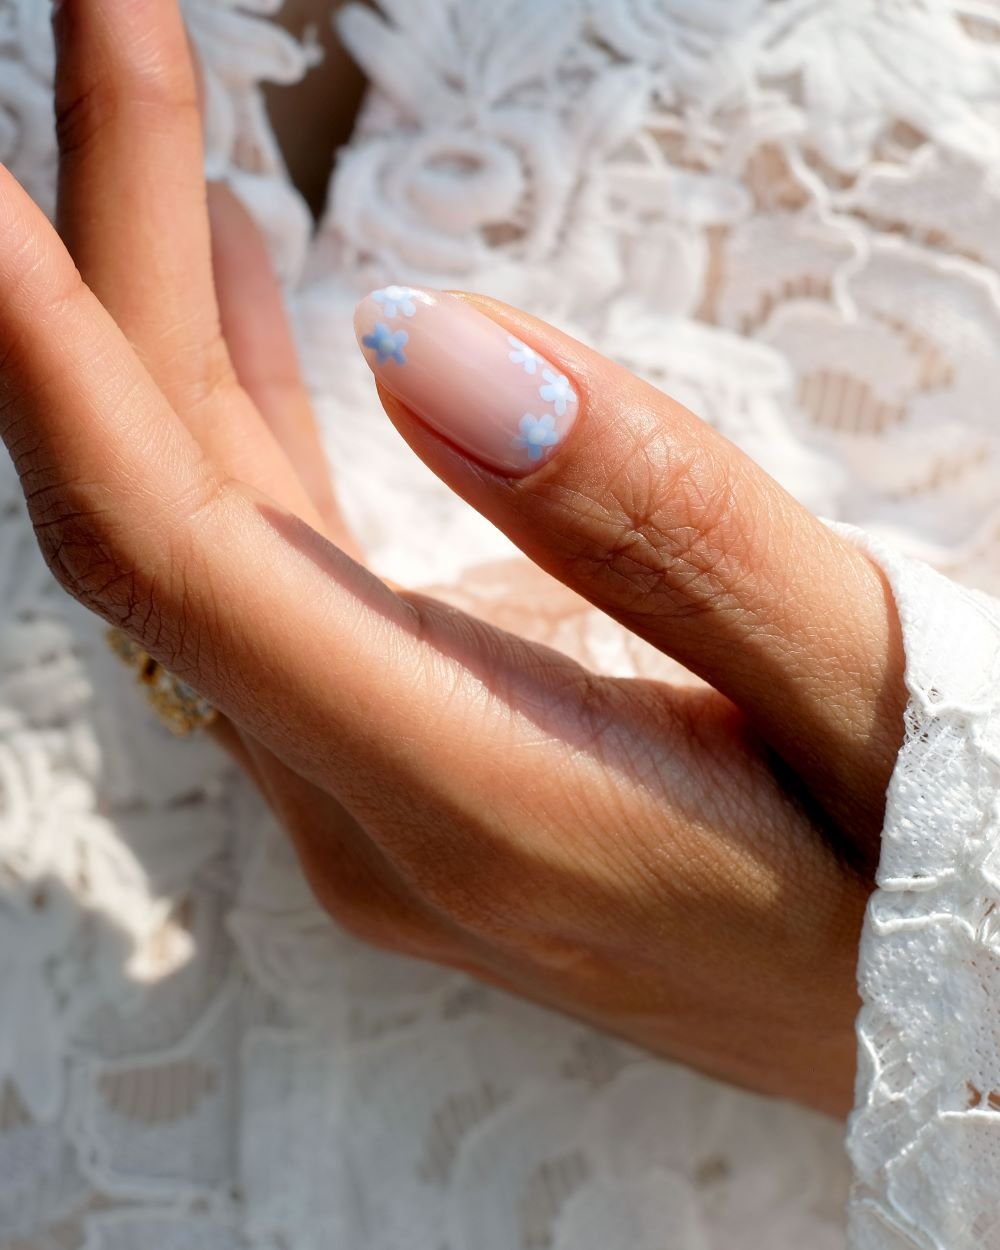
x: 482, y: 388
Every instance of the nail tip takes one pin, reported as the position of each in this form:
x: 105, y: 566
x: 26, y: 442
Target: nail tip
x: 496, y: 399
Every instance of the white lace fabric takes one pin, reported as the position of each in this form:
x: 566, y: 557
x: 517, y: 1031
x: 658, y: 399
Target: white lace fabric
x: 925, y: 1134
x: 191, y: 1055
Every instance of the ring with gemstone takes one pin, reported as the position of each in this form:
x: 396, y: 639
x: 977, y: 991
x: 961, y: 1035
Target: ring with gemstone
x: 176, y: 704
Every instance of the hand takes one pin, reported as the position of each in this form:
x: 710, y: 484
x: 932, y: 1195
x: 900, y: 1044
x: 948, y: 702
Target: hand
x: 686, y: 866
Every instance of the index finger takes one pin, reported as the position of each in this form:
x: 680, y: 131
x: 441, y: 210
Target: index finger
x: 124, y: 457
x: 273, y: 624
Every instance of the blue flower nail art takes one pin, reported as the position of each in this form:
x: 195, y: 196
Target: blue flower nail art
x: 396, y: 299
x: 522, y: 354
x: 558, y: 391
x: 537, y: 433
x: 388, y: 344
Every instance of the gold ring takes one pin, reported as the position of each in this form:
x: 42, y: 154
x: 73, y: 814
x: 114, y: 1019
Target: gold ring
x: 177, y: 705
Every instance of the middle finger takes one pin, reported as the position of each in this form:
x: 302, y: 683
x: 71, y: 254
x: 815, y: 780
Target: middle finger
x: 132, y: 205
x: 133, y: 213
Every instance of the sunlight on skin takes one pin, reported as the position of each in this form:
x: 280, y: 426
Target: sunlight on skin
x: 659, y: 861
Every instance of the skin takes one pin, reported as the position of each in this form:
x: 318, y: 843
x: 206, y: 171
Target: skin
x: 686, y: 865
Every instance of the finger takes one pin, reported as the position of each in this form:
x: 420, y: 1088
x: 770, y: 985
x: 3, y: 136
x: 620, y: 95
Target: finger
x: 259, y: 339
x: 657, y: 519
x: 131, y: 188
x: 295, y: 643
x: 128, y: 111
x: 93, y: 440
x: 350, y: 875
x: 236, y: 747
x: 407, y: 712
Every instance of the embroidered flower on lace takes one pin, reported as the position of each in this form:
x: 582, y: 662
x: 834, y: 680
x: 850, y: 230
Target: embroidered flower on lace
x: 33, y: 929
x: 911, y: 62
x: 267, y: 54
x: 702, y: 51
x: 458, y: 168
x: 27, y: 137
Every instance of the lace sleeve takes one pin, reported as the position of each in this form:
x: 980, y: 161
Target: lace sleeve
x: 925, y: 1133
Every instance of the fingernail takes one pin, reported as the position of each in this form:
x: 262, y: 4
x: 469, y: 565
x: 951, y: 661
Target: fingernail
x: 490, y: 394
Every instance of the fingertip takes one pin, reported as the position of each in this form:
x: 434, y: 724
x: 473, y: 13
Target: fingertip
x: 381, y: 323
x: 365, y: 315
x: 485, y: 390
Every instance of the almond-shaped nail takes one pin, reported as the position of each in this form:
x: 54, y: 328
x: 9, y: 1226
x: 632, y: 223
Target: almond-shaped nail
x: 487, y: 392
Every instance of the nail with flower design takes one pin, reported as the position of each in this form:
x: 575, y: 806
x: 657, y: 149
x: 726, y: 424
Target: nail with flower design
x: 557, y: 391
x: 387, y: 344
x: 397, y: 300
x: 522, y: 355
x: 469, y: 378
x: 536, y: 433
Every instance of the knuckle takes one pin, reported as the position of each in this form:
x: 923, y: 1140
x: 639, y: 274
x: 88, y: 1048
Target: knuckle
x: 79, y: 557
x: 378, y: 918
x: 509, y: 908
x: 384, y: 929
x: 89, y: 105
x: 24, y: 446
x: 662, y: 539
x: 440, y: 903
x: 74, y: 542
x: 355, y: 888
x: 486, y: 897
x: 90, y: 552
x: 210, y: 377
x: 85, y: 112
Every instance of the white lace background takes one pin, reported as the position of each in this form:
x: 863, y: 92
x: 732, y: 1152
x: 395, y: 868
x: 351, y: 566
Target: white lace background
x: 786, y: 214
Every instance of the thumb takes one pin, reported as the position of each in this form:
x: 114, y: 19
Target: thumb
x: 635, y: 503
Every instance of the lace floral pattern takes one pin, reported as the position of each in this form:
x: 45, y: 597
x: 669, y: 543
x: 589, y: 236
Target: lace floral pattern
x: 809, y: 259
